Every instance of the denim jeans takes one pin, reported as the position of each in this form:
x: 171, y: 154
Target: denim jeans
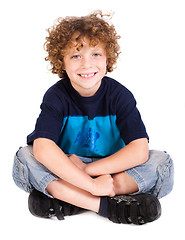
x: 156, y: 176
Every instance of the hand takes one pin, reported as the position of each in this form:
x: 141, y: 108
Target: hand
x: 77, y: 161
x: 103, y: 186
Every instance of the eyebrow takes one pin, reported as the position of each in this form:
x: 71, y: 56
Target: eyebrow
x: 74, y: 49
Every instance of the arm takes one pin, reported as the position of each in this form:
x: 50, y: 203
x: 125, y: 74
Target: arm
x: 52, y: 157
x: 132, y: 155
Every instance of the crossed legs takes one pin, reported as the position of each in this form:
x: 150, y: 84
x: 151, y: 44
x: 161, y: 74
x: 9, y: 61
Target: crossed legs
x: 62, y: 190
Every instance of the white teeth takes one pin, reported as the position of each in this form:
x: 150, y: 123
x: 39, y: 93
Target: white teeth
x: 85, y: 75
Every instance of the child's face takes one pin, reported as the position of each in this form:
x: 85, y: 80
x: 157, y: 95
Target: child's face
x: 86, y: 67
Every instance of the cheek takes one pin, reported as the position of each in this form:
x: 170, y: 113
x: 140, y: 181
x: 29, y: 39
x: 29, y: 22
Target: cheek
x: 70, y: 68
x: 103, y: 65
x: 101, y: 62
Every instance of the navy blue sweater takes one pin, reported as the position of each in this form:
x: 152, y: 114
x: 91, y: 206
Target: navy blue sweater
x: 96, y: 126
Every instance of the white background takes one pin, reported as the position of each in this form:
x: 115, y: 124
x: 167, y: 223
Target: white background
x: 152, y: 66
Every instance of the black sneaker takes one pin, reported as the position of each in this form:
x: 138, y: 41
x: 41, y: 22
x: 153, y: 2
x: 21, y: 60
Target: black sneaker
x: 43, y: 206
x: 137, y: 209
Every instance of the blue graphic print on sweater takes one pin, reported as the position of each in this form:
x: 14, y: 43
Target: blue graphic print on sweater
x: 96, y: 137
x: 87, y: 137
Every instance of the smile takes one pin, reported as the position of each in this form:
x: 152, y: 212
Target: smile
x: 87, y: 75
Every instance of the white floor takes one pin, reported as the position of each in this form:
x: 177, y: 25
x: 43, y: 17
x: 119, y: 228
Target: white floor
x: 18, y: 223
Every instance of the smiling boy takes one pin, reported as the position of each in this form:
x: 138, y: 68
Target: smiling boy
x: 86, y: 68
x: 89, y: 149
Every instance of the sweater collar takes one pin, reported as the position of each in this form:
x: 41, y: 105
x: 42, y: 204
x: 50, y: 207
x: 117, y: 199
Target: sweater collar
x: 75, y: 95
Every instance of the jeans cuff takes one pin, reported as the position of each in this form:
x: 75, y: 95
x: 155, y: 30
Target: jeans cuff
x: 138, y: 179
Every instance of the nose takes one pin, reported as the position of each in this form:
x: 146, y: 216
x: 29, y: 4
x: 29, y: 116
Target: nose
x: 86, y: 62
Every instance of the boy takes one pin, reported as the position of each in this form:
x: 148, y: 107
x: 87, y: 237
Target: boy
x: 89, y: 149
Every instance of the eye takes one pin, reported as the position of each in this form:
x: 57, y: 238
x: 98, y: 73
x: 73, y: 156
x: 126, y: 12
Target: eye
x: 96, y: 54
x: 75, y: 56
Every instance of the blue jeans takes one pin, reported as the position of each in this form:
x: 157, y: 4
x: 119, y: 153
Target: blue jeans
x: 156, y: 176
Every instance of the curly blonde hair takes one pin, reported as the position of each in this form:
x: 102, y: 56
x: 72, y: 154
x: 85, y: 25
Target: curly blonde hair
x: 93, y: 26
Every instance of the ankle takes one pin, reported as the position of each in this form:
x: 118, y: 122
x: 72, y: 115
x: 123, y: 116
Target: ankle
x: 103, y: 209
